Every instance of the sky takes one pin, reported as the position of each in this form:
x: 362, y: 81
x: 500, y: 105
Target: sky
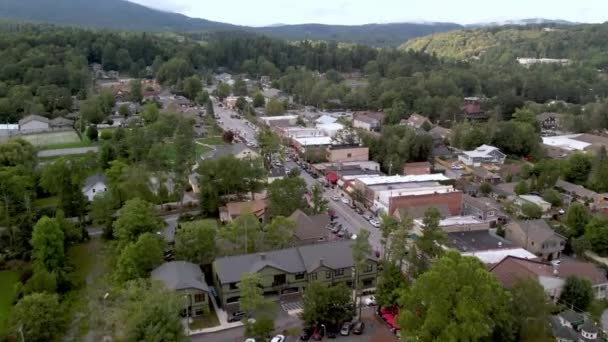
x: 355, y: 12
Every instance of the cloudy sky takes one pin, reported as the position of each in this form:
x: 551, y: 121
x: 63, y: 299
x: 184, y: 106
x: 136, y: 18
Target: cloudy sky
x: 349, y: 12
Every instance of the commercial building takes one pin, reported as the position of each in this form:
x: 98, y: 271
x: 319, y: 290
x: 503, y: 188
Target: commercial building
x: 347, y: 153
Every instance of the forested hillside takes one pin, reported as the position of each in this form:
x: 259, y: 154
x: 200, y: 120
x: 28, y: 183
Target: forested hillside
x: 586, y: 43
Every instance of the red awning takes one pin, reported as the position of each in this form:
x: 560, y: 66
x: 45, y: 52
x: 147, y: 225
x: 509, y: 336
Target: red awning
x: 331, y: 177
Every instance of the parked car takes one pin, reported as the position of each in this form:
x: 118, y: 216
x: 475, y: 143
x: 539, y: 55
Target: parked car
x: 359, y: 211
x: 335, y: 198
x: 370, y: 301
x: 237, y: 316
x: 345, y: 331
x: 345, y: 200
x: 368, y: 216
x: 343, y: 232
x: 374, y: 223
x: 278, y: 338
x: 337, y: 228
x: 358, y: 328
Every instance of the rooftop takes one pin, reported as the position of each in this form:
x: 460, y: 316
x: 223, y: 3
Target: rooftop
x: 403, y: 179
x: 536, y: 230
x: 481, y: 151
x: 309, y: 227
x: 180, y: 275
x: 473, y: 241
x: 578, y: 190
x: 566, y: 142
x: 494, y: 256
x: 314, y: 141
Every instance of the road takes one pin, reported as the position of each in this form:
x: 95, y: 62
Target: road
x: 67, y: 151
x: 346, y: 215
x: 238, y: 126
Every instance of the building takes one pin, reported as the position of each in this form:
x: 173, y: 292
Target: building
x: 188, y: 281
x: 533, y: 199
x: 481, y: 175
x: 472, y: 109
x: 537, y: 237
x: 94, y: 185
x: 574, y: 142
x: 504, y: 190
x: 551, y: 277
x: 276, y: 173
x: 61, y: 123
x: 417, y: 168
x: 325, y: 119
x: 481, y: 243
x: 452, y: 199
x: 417, y: 121
x: 312, y: 146
x: 418, y: 211
x: 7, y: 130
x: 370, y: 121
x: 484, y: 154
x: 347, y: 153
x: 440, y: 135
x: 548, y: 121
x: 527, y: 62
x: 238, y: 150
x: 571, y: 326
x: 285, y: 120
x: 291, y: 270
x: 310, y: 228
x: 34, y: 123
x: 330, y: 130
x: 483, y: 208
x: 581, y: 194
x: 233, y: 210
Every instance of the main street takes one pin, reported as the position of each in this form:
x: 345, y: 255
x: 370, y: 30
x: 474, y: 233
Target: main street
x: 238, y: 126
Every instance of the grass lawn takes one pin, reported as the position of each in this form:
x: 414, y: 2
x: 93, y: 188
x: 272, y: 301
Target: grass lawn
x: 200, y: 149
x: 8, y: 279
x: 74, y: 144
x: 211, y: 141
x: 45, y: 140
x: 597, y: 307
x: 83, y: 256
x: 208, y: 320
x: 46, y: 202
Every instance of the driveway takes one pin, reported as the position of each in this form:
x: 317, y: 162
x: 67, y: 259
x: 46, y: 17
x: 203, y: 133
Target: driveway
x: 67, y: 151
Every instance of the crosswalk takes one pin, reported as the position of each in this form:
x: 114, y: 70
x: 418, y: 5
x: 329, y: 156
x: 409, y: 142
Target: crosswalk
x: 292, y: 308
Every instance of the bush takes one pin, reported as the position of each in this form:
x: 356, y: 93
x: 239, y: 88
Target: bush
x: 92, y: 133
x: 105, y: 135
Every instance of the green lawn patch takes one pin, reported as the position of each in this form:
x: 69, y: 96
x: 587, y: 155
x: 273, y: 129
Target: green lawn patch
x: 74, y: 144
x: 46, y: 202
x: 211, y: 141
x: 208, y: 320
x: 82, y: 257
x: 45, y: 140
x: 8, y: 279
x: 200, y: 149
x: 597, y: 307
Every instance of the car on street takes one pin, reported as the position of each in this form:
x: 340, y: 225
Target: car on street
x: 368, y: 216
x: 345, y: 331
x: 370, y: 301
x: 457, y: 166
x: 358, y: 328
x: 278, y: 338
x: 359, y: 211
x: 343, y: 232
x: 374, y: 223
x: 237, y: 316
x: 345, y: 200
x: 337, y: 228
x: 335, y: 198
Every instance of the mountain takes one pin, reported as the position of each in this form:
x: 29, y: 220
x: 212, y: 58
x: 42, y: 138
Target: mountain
x: 523, y: 22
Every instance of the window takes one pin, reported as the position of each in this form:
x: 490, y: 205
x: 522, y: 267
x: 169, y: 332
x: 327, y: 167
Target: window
x: 368, y: 268
x: 233, y: 286
x: 199, y: 297
x: 339, y: 272
x: 348, y: 155
x: 368, y: 282
x: 300, y: 276
x: 313, y: 276
x: 328, y: 275
x: 491, y: 213
x: 93, y: 190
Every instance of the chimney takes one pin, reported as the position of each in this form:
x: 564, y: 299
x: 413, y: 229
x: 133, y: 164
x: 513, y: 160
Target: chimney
x: 263, y: 256
x: 321, y: 261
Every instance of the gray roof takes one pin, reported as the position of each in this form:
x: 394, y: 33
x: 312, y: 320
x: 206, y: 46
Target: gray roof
x: 572, y: 316
x: 481, y: 240
x: 589, y: 327
x: 334, y: 254
x: 481, y: 203
x: 578, y: 190
x: 180, y: 275
x: 225, y: 150
x: 560, y: 331
x: 60, y: 122
x: 537, y: 230
x: 309, y: 227
x: 32, y: 118
x: 92, y: 180
x: 277, y: 171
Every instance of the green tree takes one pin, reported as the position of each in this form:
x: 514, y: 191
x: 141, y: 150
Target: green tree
x: 457, y: 299
x: 241, y: 103
x: 192, y: 87
x: 577, y: 168
x: 195, y: 242
x: 42, y: 281
x: 202, y: 98
x: 252, y: 300
x: 485, y: 188
x: 48, y: 249
x: 326, y: 304
x: 209, y: 108
x: 91, y: 110
x: 531, y: 211
x: 274, y: 107
x: 138, y: 258
x: 319, y: 203
x: 136, y: 217
x: 388, y: 225
x: 596, y: 233
x: 243, y: 235
x: 432, y: 235
x: 577, y: 217
x: 223, y: 91
x: 92, y: 133
x: 552, y: 197
x: 101, y: 212
x: 239, y: 88
x: 174, y: 70
x: 124, y: 110
x: 577, y: 293
x: 390, y: 284
x: 136, y: 93
x: 17, y: 152
x: 64, y: 178
x: 279, y: 233
x: 521, y: 188
x: 150, y: 113
x: 530, y: 311
x: 361, y: 252
x: 399, y: 241
x: 39, y: 317
x: 270, y: 145
x: 258, y: 100
x: 286, y: 195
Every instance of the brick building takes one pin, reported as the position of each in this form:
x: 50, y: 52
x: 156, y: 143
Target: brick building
x: 453, y: 200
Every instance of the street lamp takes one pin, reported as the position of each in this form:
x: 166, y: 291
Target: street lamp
x: 324, y: 329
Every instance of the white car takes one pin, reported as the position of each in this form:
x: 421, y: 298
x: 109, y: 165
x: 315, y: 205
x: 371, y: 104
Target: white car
x: 370, y: 301
x: 335, y: 198
x: 374, y: 223
x: 278, y: 338
x: 345, y: 200
x: 250, y: 340
x: 457, y: 167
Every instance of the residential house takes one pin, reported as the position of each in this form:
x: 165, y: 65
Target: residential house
x: 276, y: 173
x: 330, y: 130
x: 472, y: 109
x: 571, y: 326
x: 238, y: 150
x: 551, y: 277
x: 417, y: 168
x: 417, y: 121
x: 34, y: 123
x: 575, y: 142
x: 61, y: 123
x: 581, y: 194
x: 280, y: 120
x: 484, y: 154
x: 233, y: 210
x: 483, y: 208
x: 481, y: 175
x: 187, y: 280
x: 537, y: 237
x: 291, y: 270
x: 440, y: 135
x: 325, y: 119
x: 94, y: 185
x: 272, y: 93
x: 504, y: 190
x: 370, y: 121
x: 548, y: 121
x: 347, y: 153
x: 7, y: 130
x: 471, y: 238
x: 310, y: 228
x: 533, y: 199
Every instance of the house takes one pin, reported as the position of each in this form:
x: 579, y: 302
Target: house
x: 233, y: 210
x: 417, y: 121
x: 280, y: 120
x: 537, y: 237
x: 484, y: 154
x: 440, y: 135
x: 504, y: 190
x: 369, y: 121
x: 575, y: 142
x: 471, y: 238
x: 310, y: 229
x: 483, y: 208
x: 325, y: 119
x: 533, y: 199
x: 417, y: 168
x: 276, y: 173
x: 347, y: 153
x: 187, y: 280
x: 238, y: 150
x: 291, y: 270
x: 61, y: 123
x: 548, y: 121
x: 551, y: 277
x: 579, y: 192
x: 330, y: 130
x: 7, y: 130
x: 34, y: 123
x: 571, y: 326
x: 472, y: 109
x: 271, y: 93
x: 481, y: 175
x: 94, y: 185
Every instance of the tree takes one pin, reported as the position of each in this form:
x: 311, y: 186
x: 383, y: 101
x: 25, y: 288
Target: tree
x: 39, y: 317
x: 577, y: 168
x: 432, y: 235
x: 455, y: 300
x: 274, y: 107
x: 485, y: 188
x: 135, y: 218
x: 48, y: 250
x: 17, y: 152
x: 239, y: 88
x: 596, y: 233
x: 243, y: 234
x: 92, y: 133
x: 361, y: 252
x: 552, y: 197
x: 174, y: 70
x: 124, y: 110
x: 241, y: 103
x: 326, y: 304
x: 136, y: 93
x: 388, y: 225
x: 399, y: 241
x: 150, y: 113
x: 202, y: 98
x: 577, y: 293
x: 222, y: 91
x: 531, y: 211
x: 138, y: 258
x: 228, y: 137
x: 195, y: 242
x: 252, y: 301
x: 209, y: 108
x: 390, y: 284
x: 319, y: 203
x: 258, y: 100
x: 521, y: 188
x: 530, y: 310
x: 576, y: 219
x: 91, y: 110
x: 64, y: 178
x: 192, y: 87
x: 270, y: 145
x: 286, y: 195
x: 278, y: 234
x: 101, y: 212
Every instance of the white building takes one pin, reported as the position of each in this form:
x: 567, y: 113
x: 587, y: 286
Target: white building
x: 94, y: 185
x: 537, y: 200
x: 330, y: 129
x: 532, y: 61
x: 325, y: 119
x: 494, y: 256
x: 34, y: 123
x: 482, y: 154
x: 291, y: 119
x: 566, y: 142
